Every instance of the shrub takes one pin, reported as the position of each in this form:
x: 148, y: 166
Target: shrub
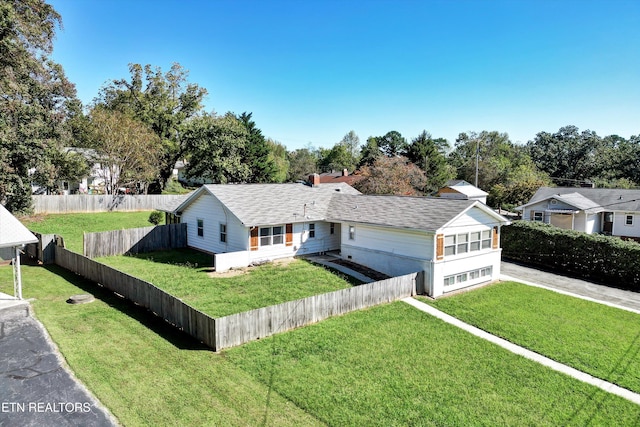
x: 155, y: 217
x: 591, y: 256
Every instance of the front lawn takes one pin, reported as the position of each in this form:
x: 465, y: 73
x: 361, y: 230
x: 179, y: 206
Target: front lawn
x: 187, y: 274
x: 71, y: 226
x: 593, y: 338
x: 389, y: 365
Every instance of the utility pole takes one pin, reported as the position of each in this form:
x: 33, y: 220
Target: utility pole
x: 477, y: 159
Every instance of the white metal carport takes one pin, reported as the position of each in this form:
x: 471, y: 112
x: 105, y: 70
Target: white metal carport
x: 14, y: 235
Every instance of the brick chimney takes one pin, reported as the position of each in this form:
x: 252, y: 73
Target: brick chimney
x: 314, y: 180
x: 345, y: 172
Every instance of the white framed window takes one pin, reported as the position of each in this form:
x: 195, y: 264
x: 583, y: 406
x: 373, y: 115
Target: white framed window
x: 200, y: 227
x: 450, y: 245
x: 538, y: 216
x: 271, y: 235
x: 466, y: 276
x: 456, y: 244
x: 223, y: 233
x: 352, y: 232
x: 628, y: 220
x: 332, y: 228
x: 312, y: 231
x: 462, y: 243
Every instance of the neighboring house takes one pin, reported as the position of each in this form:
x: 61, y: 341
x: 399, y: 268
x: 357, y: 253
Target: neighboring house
x: 179, y: 173
x: 462, y: 190
x: 94, y: 183
x: 591, y: 210
x: 343, y: 176
x: 456, y: 242
x: 13, y: 237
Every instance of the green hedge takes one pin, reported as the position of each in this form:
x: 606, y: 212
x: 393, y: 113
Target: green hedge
x: 605, y: 259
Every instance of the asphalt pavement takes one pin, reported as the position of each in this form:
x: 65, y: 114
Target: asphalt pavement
x: 588, y: 290
x: 36, y: 388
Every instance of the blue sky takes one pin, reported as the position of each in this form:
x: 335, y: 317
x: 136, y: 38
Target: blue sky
x: 311, y: 71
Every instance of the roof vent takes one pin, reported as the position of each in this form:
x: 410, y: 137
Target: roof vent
x: 620, y: 198
x: 337, y: 189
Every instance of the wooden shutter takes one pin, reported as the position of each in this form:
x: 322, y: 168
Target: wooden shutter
x: 496, y: 238
x: 253, y: 242
x: 439, y: 246
x: 289, y: 236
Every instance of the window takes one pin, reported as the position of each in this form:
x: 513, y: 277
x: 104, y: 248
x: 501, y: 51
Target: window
x: 486, y: 239
x: 332, y: 228
x: 223, y: 233
x: 352, y: 232
x: 629, y: 220
x: 467, y: 242
x: 200, y: 227
x: 474, y: 244
x: 468, y: 276
x: 278, y: 235
x: 538, y: 216
x: 450, y: 245
x: 312, y: 231
x: 462, y: 243
x: 271, y: 235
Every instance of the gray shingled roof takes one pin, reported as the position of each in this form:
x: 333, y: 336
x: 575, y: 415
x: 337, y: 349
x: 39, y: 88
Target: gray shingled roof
x: 609, y: 199
x: 421, y: 213
x: 12, y: 232
x: 269, y: 204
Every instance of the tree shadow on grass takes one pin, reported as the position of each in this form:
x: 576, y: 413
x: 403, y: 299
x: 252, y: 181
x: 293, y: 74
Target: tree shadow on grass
x: 159, y: 326
x: 185, y: 257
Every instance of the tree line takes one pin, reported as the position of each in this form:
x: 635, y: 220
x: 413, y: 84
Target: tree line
x: 138, y: 127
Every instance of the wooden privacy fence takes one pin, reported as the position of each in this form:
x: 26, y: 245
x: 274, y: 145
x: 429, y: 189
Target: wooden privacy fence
x: 251, y: 325
x: 135, y: 240
x: 102, y: 203
x: 163, y: 304
x: 236, y: 329
x: 44, y: 250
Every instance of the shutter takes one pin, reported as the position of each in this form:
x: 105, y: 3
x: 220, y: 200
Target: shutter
x: 496, y: 238
x: 254, y: 239
x: 289, y: 236
x: 439, y: 246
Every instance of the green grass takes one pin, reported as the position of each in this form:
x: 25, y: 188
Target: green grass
x: 394, y: 365
x: 593, y: 338
x: 185, y: 273
x: 145, y: 371
x: 71, y: 226
x: 389, y: 365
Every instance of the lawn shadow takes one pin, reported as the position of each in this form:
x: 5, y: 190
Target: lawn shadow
x: 159, y: 326
x: 184, y: 257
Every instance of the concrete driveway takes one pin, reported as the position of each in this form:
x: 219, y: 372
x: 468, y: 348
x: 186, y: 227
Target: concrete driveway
x: 36, y: 389
x: 583, y: 288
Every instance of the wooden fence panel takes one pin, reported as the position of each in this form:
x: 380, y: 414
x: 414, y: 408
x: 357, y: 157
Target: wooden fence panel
x: 135, y: 240
x: 102, y: 203
x: 145, y: 294
x: 243, y: 327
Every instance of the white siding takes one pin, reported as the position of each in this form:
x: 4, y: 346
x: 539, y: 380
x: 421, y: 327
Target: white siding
x: 452, y: 267
x: 620, y: 227
x: 474, y: 217
x: 390, y: 251
x: 213, y: 213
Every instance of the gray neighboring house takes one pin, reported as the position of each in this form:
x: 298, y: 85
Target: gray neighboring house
x: 609, y: 211
x: 456, y: 242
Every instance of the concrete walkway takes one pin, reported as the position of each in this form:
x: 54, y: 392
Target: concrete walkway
x: 36, y: 389
x: 604, y: 385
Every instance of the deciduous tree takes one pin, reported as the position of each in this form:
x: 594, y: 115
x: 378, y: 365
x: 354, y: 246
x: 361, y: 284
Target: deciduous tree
x: 34, y: 97
x: 392, y: 175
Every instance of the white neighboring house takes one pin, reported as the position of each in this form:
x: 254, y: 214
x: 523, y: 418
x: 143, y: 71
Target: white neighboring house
x: 461, y: 189
x: 13, y: 237
x: 591, y: 210
x: 456, y: 242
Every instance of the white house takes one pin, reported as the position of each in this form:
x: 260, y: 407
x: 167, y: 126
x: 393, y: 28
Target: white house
x: 461, y: 189
x: 591, y: 210
x: 456, y: 242
x: 13, y: 236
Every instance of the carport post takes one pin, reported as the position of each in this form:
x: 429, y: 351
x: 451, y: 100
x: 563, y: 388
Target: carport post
x: 17, y: 278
